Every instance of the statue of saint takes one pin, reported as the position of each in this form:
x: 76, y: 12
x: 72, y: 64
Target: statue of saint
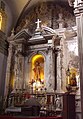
x: 38, y: 71
x: 71, y: 77
x: 73, y: 80
x: 58, y: 102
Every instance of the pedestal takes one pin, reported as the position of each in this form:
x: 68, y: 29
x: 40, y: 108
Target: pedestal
x: 69, y: 106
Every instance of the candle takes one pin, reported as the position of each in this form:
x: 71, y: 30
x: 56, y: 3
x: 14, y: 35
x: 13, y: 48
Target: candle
x: 68, y: 80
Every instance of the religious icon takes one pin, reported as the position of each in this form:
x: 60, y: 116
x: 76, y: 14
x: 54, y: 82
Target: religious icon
x: 38, y: 71
x: 71, y: 77
x: 58, y: 102
x: 73, y: 80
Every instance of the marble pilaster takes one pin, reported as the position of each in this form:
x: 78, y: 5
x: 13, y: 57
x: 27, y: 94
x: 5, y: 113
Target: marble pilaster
x: 59, y: 71
x: 8, y: 73
x: 63, y: 63
x: 79, y: 22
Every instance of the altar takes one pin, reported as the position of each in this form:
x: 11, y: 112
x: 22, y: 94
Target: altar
x: 32, y: 56
x: 43, y: 65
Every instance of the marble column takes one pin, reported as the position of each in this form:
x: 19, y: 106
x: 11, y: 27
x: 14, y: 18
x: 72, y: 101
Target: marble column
x: 19, y: 69
x: 63, y: 63
x: 50, y: 81
x: 23, y: 75
x: 8, y: 68
x: 15, y: 70
x: 59, y: 71
x: 79, y: 22
x: 8, y: 74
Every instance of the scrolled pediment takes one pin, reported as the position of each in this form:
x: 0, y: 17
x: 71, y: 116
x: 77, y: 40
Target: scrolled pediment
x: 47, y: 30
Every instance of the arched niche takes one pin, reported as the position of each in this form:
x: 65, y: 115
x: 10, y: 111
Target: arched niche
x: 36, y: 70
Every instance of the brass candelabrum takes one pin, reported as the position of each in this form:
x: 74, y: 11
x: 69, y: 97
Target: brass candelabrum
x: 68, y: 85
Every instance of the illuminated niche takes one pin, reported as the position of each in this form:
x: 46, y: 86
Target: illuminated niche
x: 37, y: 72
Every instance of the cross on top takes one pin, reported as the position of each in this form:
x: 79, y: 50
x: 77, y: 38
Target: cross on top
x: 38, y: 23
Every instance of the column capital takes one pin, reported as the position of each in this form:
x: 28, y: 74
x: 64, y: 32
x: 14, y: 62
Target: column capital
x: 78, y: 5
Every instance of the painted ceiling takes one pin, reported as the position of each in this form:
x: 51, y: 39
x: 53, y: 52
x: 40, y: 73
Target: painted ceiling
x: 15, y: 8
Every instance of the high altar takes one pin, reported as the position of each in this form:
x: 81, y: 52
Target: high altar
x: 43, y: 53
x: 37, y: 61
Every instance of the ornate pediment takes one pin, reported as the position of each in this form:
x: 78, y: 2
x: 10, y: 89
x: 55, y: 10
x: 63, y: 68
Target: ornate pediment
x: 24, y: 33
x: 42, y: 35
x: 47, y: 30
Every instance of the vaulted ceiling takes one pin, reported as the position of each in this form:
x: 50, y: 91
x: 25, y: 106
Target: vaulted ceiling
x: 15, y: 8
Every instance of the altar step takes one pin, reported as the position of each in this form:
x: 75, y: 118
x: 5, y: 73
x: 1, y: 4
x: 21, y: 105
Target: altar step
x: 21, y: 117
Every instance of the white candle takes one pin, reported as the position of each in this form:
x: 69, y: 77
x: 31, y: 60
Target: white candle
x: 68, y: 80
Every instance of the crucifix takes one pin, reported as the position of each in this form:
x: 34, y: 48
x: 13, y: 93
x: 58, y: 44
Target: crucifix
x: 38, y: 23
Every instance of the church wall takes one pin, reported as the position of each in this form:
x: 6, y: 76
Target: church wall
x: 3, y: 64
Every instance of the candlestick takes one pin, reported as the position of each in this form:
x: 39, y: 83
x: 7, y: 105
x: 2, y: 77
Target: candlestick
x: 68, y: 80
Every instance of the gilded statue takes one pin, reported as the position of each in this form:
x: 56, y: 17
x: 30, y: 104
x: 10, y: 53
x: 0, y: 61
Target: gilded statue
x: 38, y: 71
